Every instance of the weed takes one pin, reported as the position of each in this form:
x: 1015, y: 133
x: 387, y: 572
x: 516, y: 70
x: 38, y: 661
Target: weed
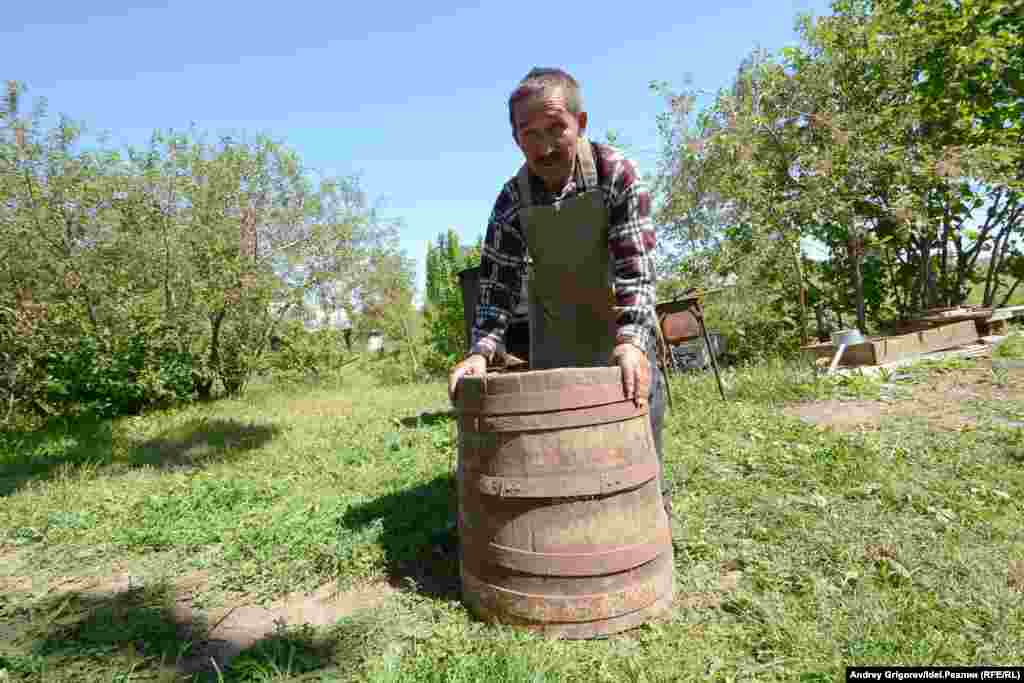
x: 1010, y: 347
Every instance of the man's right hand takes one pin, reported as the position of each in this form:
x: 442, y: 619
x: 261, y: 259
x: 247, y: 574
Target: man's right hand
x: 475, y: 365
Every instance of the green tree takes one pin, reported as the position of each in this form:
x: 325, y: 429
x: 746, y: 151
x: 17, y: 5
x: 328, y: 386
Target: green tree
x: 150, y: 275
x: 444, y: 308
x: 967, y: 62
x: 828, y: 139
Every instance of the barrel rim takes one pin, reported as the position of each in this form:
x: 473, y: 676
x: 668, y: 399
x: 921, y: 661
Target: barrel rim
x: 492, y: 379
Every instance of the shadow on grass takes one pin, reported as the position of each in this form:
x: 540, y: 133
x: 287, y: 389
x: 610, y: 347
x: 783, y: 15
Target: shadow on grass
x: 293, y: 651
x: 428, y: 419
x: 144, y: 630
x: 39, y: 455
x: 201, y: 442
x: 419, y: 550
x: 78, y: 631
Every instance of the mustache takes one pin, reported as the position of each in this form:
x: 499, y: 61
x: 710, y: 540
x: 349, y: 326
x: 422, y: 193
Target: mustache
x: 550, y: 160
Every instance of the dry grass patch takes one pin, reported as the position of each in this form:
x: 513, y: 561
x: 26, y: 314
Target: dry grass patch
x: 1015, y: 576
x: 953, y: 397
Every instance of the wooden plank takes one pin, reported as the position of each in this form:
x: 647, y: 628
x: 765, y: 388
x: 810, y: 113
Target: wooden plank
x: 973, y: 351
x: 879, y: 350
x: 889, y: 349
x: 990, y: 327
x: 1007, y: 313
x: 953, y: 315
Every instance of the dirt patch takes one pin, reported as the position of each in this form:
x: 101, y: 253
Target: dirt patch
x: 12, y: 564
x: 727, y: 583
x: 949, y: 400
x: 239, y: 626
x: 876, y: 552
x: 220, y: 634
x: 321, y: 407
x: 1015, y: 576
x: 841, y: 415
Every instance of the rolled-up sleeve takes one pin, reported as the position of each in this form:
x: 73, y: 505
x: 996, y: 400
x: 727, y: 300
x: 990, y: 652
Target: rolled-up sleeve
x: 502, y: 264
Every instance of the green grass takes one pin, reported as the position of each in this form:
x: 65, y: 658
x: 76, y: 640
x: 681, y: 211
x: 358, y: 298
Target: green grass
x: 888, y: 546
x: 1011, y: 347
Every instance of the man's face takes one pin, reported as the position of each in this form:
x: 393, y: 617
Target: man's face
x: 546, y: 132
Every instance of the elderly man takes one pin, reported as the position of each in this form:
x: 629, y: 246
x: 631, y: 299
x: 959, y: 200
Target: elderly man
x: 579, y: 211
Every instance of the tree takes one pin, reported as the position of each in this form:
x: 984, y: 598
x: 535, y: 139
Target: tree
x: 967, y: 70
x: 944, y: 74
x: 830, y: 139
x: 150, y: 275
x: 444, y: 309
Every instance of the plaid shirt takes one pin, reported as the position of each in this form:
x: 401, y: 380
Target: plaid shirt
x: 631, y: 244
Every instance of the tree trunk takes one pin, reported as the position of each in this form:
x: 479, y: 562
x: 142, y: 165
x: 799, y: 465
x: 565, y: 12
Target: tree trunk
x: 819, y: 316
x: 963, y: 269
x: 411, y: 345
x: 798, y: 259
x: 204, y: 383
x: 858, y: 283
x: 899, y: 292
x: 855, y: 249
x: 1006, y: 299
x: 994, y: 264
x: 934, y: 298
x: 944, y: 293
x: 921, y: 289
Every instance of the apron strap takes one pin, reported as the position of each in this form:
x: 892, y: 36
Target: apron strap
x: 585, y: 155
x: 523, y: 181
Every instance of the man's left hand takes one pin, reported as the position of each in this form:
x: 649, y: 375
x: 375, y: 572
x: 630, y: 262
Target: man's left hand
x: 636, y: 372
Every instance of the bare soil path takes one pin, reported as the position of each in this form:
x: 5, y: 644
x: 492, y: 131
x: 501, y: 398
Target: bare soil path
x: 956, y: 400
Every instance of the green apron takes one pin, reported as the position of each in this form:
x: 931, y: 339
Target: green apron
x: 570, y: 300
x: 571, y: 297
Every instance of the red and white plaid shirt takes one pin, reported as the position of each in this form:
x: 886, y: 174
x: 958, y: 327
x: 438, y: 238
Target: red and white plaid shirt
x: 631, y: 243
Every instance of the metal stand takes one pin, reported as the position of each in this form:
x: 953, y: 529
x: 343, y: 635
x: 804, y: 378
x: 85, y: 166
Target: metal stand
x: 699, y: 314
x: 692, y: 302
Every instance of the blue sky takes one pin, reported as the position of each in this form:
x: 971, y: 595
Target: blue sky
x: 412, y: 96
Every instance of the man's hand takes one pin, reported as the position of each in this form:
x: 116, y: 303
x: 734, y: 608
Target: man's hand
x: 636, y: 372
x: 475, y: 365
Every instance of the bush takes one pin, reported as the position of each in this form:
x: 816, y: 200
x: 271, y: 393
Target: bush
x: 299, y: 354
x: 753, y: 329
x: 118, y: 374
x: 392, y: 368
x: 56, y: 363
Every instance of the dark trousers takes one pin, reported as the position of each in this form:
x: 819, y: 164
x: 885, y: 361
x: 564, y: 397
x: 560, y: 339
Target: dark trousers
x: 656, y: 400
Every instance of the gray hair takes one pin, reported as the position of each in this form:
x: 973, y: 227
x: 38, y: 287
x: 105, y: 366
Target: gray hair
x: 542, y: 80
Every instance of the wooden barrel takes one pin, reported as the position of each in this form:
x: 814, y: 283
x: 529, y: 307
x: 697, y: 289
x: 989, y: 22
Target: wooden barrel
x: 561, y: 522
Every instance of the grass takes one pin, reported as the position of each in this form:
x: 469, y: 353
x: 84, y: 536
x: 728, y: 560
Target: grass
x: 798, y: 551
x: 1011, y: 347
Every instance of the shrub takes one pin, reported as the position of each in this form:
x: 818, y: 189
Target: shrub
x: 753, y: 329
x: 299, y: 354
x: 120, y: 374
x: 1011, y: 347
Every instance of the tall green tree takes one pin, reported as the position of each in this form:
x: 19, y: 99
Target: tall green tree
x: 153, y: 273
x: 444, y: 306
x: 829, y: 139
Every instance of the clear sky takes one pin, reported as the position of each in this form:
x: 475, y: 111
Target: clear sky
x: 411, y: 95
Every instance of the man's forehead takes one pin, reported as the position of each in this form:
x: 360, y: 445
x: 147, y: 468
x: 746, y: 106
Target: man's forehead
x: 549, y: 102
